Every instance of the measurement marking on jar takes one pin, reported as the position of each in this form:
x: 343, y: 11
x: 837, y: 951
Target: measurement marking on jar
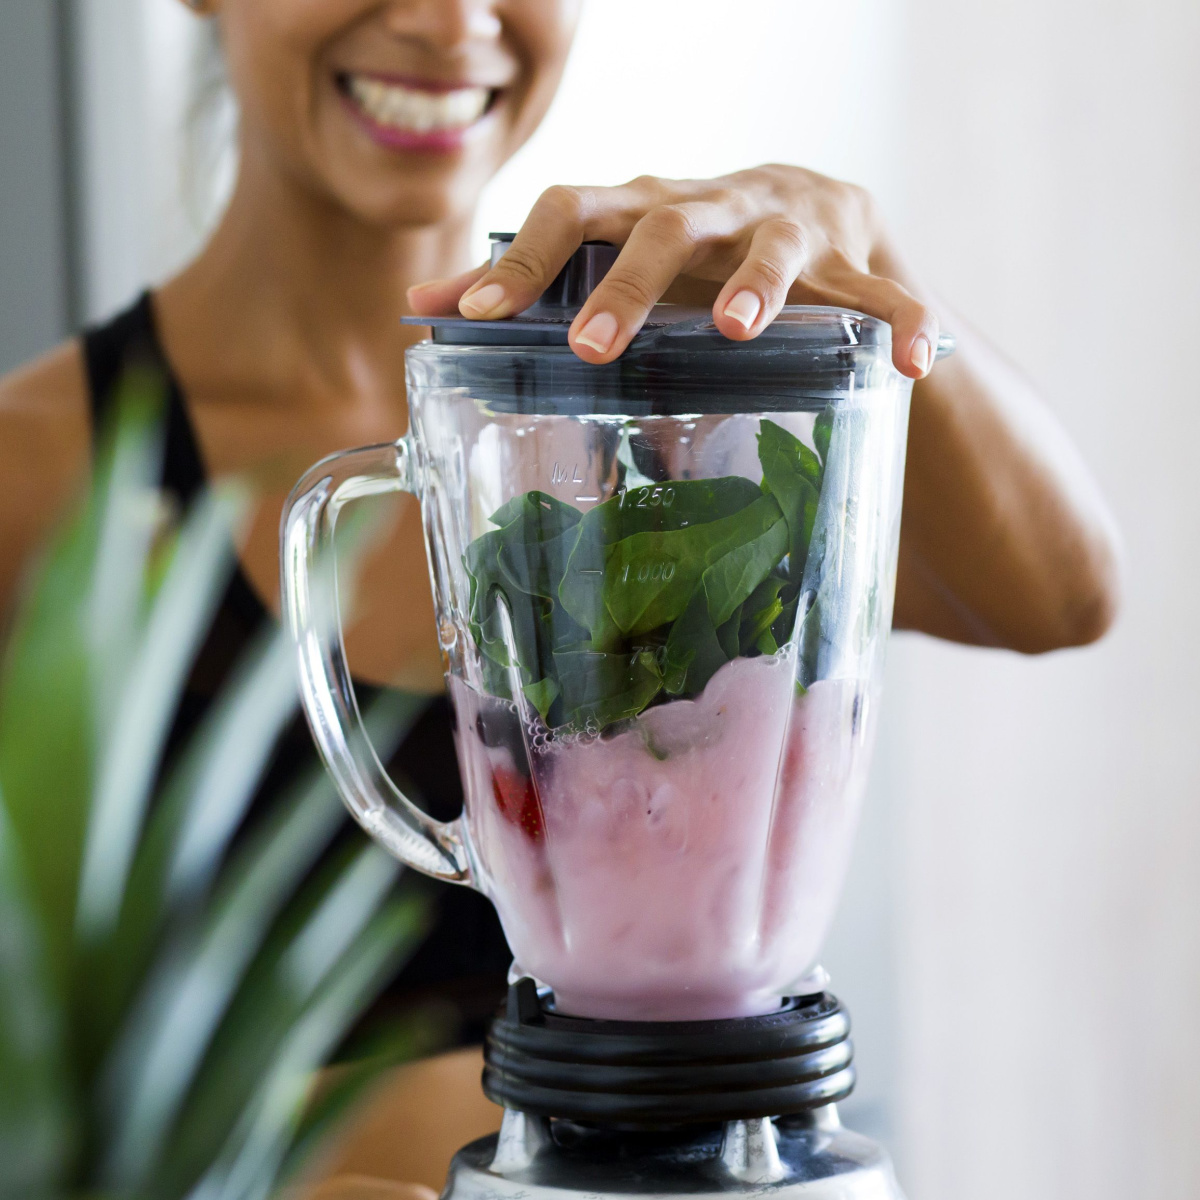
x: 647, y: 497
x: 650, y: 573
x: 558, y: 474
x: 586, y: 499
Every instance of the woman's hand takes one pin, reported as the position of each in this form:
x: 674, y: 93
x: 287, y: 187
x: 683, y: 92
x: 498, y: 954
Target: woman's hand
x: 1006, y: 539
x: 758, y: 239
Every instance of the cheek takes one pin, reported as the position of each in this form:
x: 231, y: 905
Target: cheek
x: 540, y: 33
x: 274, y: 48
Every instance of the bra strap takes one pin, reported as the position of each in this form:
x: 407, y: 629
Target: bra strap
x: 128, y: 341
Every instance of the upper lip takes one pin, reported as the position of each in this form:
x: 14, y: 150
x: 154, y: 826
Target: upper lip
x: 421, y: 83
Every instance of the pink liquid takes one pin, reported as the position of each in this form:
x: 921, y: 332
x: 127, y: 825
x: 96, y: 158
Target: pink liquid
x: 686, y: 868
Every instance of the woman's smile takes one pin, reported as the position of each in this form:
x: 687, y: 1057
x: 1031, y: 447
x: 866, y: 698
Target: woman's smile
x: 415, y: 115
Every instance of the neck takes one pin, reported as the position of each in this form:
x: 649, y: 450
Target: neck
x: 309, y: 286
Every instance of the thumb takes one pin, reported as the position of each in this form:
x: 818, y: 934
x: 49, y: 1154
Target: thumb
x: 440, y: 297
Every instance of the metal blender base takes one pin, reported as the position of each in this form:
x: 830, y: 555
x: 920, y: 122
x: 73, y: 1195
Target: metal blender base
x: 809, y: 1156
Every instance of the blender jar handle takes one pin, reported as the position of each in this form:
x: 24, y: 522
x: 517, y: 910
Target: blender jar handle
x: 312, y: 613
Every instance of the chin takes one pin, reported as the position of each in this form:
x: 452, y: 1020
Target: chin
x: 412, y: 206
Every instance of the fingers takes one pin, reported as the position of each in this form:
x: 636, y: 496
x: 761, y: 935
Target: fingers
x: 758, y: 289
x: 660, y: 248
x: 440, y: 297
x: 553, y: 231
x: 915, y: 326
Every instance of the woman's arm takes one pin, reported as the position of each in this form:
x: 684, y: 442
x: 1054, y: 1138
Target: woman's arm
x: 1006, y: 540
x: 45, y: 437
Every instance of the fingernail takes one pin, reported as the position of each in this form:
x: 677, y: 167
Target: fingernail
x: 922, y: 354
x: 744, y: 308
x: 482, y: 303
x: 599, y: 333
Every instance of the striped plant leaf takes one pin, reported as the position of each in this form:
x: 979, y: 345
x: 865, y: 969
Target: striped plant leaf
x: 169, y: 982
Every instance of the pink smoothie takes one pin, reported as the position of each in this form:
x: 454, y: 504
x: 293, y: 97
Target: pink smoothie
x: 685, y: 868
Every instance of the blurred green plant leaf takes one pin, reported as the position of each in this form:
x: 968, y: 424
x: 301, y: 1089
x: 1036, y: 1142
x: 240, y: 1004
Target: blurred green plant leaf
x: 34, y: 1129
x: 131, y: 753
x: 168, y: 983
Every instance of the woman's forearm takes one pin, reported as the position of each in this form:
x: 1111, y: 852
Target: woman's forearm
x: 1006, y: 540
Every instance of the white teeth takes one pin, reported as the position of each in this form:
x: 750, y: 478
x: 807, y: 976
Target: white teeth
x: 418, y: 111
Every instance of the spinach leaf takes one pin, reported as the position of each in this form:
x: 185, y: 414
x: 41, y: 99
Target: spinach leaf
x: 581, y: 591
x: 483, y: 570
x: 681, y: 503
x: 542, y: 695
x: 727, y: 634
x: 693, y: 653
x: 651, y: 592
x: 760, y: 613
x: 589, y: 578
x: 822, y: 430
x: 536, y: 568
x: 792, y: 473
x: 734, y: 576
x: 766, y: 643
x: 535, y: 517
x: 519, y: 566
x: 650, y: 577
x: 602, y: 688
x: 495, y: 677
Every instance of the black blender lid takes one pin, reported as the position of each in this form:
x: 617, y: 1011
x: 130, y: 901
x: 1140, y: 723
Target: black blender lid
x: 548, y: 320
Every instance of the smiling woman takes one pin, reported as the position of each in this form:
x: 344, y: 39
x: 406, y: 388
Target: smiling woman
x: 337, y: 90
x: 367, y: 132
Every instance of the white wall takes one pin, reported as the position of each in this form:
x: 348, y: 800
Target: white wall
x: 1050, y: 955
x: 35, y: 294
x: 134, y: 66
x: 727, y: 86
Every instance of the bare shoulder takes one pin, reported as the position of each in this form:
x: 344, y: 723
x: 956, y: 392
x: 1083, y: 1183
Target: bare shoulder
x: 45, y: 439
x: 51, y: 390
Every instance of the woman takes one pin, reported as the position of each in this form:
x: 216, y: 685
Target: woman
x: 367, y: 130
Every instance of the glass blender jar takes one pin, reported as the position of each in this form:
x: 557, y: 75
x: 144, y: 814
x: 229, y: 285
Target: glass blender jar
x: 663, y: 591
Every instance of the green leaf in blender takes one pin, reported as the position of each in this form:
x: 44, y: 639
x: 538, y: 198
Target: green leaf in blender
x: 730, y: 581
x: 663, y: 508
x: 535, y: 517
x: 536, y: 568
x: 727, y: 634
x: 760, y: 612
x: 649, y: 593
x: 822, y: 431
x: 649, y: 577
x: 599, y: 689
x: 542, y: 695
x: 693, y: 654
x: 792, y: 473
x: 784, y: 626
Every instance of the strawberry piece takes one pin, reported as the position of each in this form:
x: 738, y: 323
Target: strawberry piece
x: 517, y: 801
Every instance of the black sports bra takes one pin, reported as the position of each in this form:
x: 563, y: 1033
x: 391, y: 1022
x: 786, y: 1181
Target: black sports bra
x: 464, y: 960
